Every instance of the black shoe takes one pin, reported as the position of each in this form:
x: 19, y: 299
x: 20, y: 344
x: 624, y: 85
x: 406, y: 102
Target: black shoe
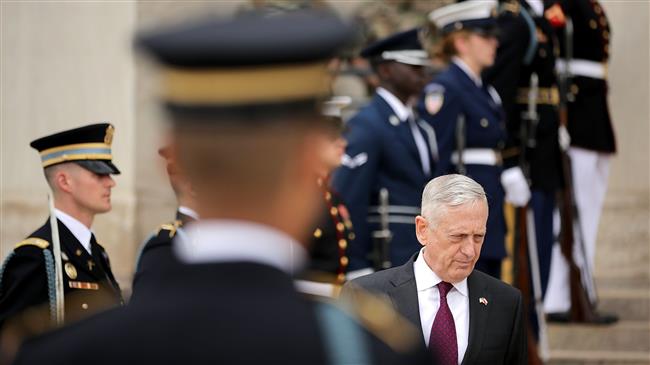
x: 598, y: 319
x: 558, y: 317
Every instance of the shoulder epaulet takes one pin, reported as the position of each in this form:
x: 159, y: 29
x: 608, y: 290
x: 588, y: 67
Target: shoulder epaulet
x: 379, y: 317
x: 33, y: 241
x: 170, y: 227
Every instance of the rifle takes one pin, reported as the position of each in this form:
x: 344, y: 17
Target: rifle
x: 527, y: 261
x: 582, y: 309
x: 460, y: 144
x: 381, y: 238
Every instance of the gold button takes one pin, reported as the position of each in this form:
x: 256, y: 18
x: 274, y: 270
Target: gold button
x: 593, y: 24
x: 574, y: 89
x: 334, y: 211
x: 78, y: 252
x: 328, y: 196
x: 348, y: 223
x: 84, y: 306
x: 605, y: 34
x: 484, y: 123
x: 340, y: 227
x: 344, y: 261
x: 318, y: 233
x: 598, y: 9
x: 351, y: 236
x: 343, y: 243
x: 340, y: 278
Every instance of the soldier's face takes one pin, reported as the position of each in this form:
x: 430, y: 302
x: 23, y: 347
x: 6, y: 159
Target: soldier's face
x: 482, y: 49
x: 90, y: 191
x: 453, y: 244
x: 408, y: 79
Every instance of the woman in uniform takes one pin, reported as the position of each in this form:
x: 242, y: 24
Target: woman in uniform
x: 468, y: 118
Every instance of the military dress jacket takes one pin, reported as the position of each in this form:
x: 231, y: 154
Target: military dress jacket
x: 328, y: 260
x: 452, y: 94
x: 382, y: 153
x: 590, y: 124
x: 27, y: 278
x: 542, y: 154
x: 156, y: 252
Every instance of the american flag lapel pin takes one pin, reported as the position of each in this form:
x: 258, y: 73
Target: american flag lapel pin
x: 483, y: 301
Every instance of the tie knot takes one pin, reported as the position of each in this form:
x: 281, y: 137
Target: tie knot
x: 444, y: 288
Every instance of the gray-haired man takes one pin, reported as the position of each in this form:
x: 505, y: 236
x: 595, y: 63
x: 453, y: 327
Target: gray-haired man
x: 466, y: 316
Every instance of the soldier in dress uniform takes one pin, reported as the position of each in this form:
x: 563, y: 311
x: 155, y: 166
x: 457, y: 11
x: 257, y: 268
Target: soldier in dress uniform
x: 468, y: 118
x: 78, y: 166
x: 156, y: 252
x: 246, y: 129
x: 592, y: 138
x: 328, y: 261
x: 388, y: 148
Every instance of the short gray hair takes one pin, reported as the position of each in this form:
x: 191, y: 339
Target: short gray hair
x: 449, y: 191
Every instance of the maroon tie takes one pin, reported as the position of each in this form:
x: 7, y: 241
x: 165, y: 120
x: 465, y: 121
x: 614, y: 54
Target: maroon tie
x: 442, y: 340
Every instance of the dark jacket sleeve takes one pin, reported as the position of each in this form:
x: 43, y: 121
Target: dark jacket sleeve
x: 355, y: 182
x: 517, y: 348
x: 24, y: 282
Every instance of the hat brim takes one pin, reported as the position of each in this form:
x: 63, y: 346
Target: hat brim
x: 100, y: 167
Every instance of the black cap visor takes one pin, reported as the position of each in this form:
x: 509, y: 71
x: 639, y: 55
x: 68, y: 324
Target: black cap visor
x: 100, y: 167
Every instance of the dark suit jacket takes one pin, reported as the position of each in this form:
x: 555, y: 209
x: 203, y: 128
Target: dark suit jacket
x: 496, y: 331
x: 217, y: 313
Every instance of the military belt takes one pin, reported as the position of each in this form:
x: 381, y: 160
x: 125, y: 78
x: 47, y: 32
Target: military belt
x: 545, y: 96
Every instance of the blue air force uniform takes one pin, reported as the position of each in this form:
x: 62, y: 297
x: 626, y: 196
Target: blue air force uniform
x: 382, y: 153
x: 389, y: 148
x: 454, y: 93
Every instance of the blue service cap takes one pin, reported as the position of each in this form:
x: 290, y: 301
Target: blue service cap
x: 474, y: 15
x: 88, y: 146
x: 403, y: 47
x: 258, y: 59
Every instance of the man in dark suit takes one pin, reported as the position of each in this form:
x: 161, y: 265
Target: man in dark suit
x: 78, y: 166
x: 466, y: 316
x: 246, y: 125
x: 388, y: 148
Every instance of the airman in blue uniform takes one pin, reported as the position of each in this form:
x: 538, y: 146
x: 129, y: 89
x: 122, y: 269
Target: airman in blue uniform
x: 388, y: 148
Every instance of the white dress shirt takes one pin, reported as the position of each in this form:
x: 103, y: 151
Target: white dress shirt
x: 188, y: 212
x: 429, y: 302
x: 405, y: 114
x: 78, y: 229
x: 221, y: 240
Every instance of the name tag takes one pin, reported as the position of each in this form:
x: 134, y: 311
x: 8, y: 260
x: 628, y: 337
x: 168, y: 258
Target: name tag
x: 83, y: 285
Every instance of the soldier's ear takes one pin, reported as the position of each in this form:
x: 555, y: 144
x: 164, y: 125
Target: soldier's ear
x: 62, y: 180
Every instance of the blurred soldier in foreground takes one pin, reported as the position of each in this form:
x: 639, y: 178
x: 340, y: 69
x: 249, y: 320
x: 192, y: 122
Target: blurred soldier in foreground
x: 468, y: 118
x: 244, y: 111
x: 390, y: 151
x: 156, y: 253
x: 78, y: 166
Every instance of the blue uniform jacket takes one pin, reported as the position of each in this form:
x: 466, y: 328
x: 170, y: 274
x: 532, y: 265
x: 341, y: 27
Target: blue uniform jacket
x: 382, y: 153
x: 451, y: 94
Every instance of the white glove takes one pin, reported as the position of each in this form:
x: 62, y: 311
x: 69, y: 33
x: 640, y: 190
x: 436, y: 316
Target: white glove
x: 564, y: 138
x: 516, y: 186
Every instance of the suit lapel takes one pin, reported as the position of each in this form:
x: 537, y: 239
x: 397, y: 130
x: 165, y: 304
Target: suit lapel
x: 478, y: 316
x: 404, y: 294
